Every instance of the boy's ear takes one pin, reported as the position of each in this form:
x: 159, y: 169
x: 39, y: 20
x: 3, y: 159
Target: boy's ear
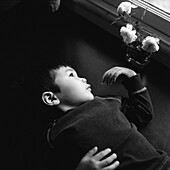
x: 50, y: 98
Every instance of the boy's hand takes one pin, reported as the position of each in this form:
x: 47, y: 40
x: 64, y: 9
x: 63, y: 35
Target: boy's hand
x: 93, y: 161
x: 112, y: 74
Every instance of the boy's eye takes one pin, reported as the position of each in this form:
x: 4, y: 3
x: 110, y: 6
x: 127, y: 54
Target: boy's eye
x: 71, y: 75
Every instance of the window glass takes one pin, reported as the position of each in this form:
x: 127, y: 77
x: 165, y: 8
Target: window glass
x: 162, y: 4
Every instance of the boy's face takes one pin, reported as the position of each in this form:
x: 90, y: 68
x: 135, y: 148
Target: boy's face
x: 73, y: 89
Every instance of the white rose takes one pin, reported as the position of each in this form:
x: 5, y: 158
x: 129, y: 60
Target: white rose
x: 129, y: 26
x: 150, y: 44
x: 128, y: 34
x: 125, y: 7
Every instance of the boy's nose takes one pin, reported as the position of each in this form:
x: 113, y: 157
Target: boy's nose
x: 84, y: 80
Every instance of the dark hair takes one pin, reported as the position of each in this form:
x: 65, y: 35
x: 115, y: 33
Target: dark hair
x: 35, y: 82
x: 46, y: 77
x: 41, y: 78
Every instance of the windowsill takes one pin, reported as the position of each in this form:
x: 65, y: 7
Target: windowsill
x: 103, y: 14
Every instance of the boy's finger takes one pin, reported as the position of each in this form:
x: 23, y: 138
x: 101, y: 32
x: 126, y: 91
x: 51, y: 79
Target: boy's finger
x: 102, y: 154
x: 112, y: 166
x: 112, y: 79
x: 108, y: 77
x: 105, y: 76
x: 116, y: 75
x: 92, y: 152
x: 108, y: 160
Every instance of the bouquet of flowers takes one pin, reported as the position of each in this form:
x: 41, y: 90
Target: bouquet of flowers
x: 140, y: 43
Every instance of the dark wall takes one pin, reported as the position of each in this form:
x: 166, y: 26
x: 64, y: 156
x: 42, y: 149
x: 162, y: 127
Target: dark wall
x: 31, y: 35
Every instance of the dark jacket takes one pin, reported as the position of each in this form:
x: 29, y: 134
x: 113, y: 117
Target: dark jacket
x: 107, y: 123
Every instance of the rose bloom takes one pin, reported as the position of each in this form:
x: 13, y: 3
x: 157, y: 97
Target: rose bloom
x: 125, y: 7
x: 150, y: 44
x: 128, y: 34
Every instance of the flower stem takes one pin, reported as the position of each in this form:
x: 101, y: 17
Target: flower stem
x: 116, y: 20
x: 144, y: 12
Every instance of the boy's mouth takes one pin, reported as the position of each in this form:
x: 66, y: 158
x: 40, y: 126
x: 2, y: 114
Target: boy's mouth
x: 88, y: 87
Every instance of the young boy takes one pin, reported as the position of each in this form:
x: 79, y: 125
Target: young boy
x: 89, y: 121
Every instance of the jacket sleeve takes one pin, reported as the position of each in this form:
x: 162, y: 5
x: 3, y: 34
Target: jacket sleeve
x: 137, y: 106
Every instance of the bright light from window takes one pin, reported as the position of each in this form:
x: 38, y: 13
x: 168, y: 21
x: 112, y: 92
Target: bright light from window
x: 161, y: 4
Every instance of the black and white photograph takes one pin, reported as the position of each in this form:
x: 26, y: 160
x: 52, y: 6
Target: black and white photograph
x: 85, y: 84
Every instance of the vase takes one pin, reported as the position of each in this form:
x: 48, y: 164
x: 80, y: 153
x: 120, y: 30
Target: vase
x: 137, y: 57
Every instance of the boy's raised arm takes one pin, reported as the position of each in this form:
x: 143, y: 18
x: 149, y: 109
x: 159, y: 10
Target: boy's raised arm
x: 138, y: 106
